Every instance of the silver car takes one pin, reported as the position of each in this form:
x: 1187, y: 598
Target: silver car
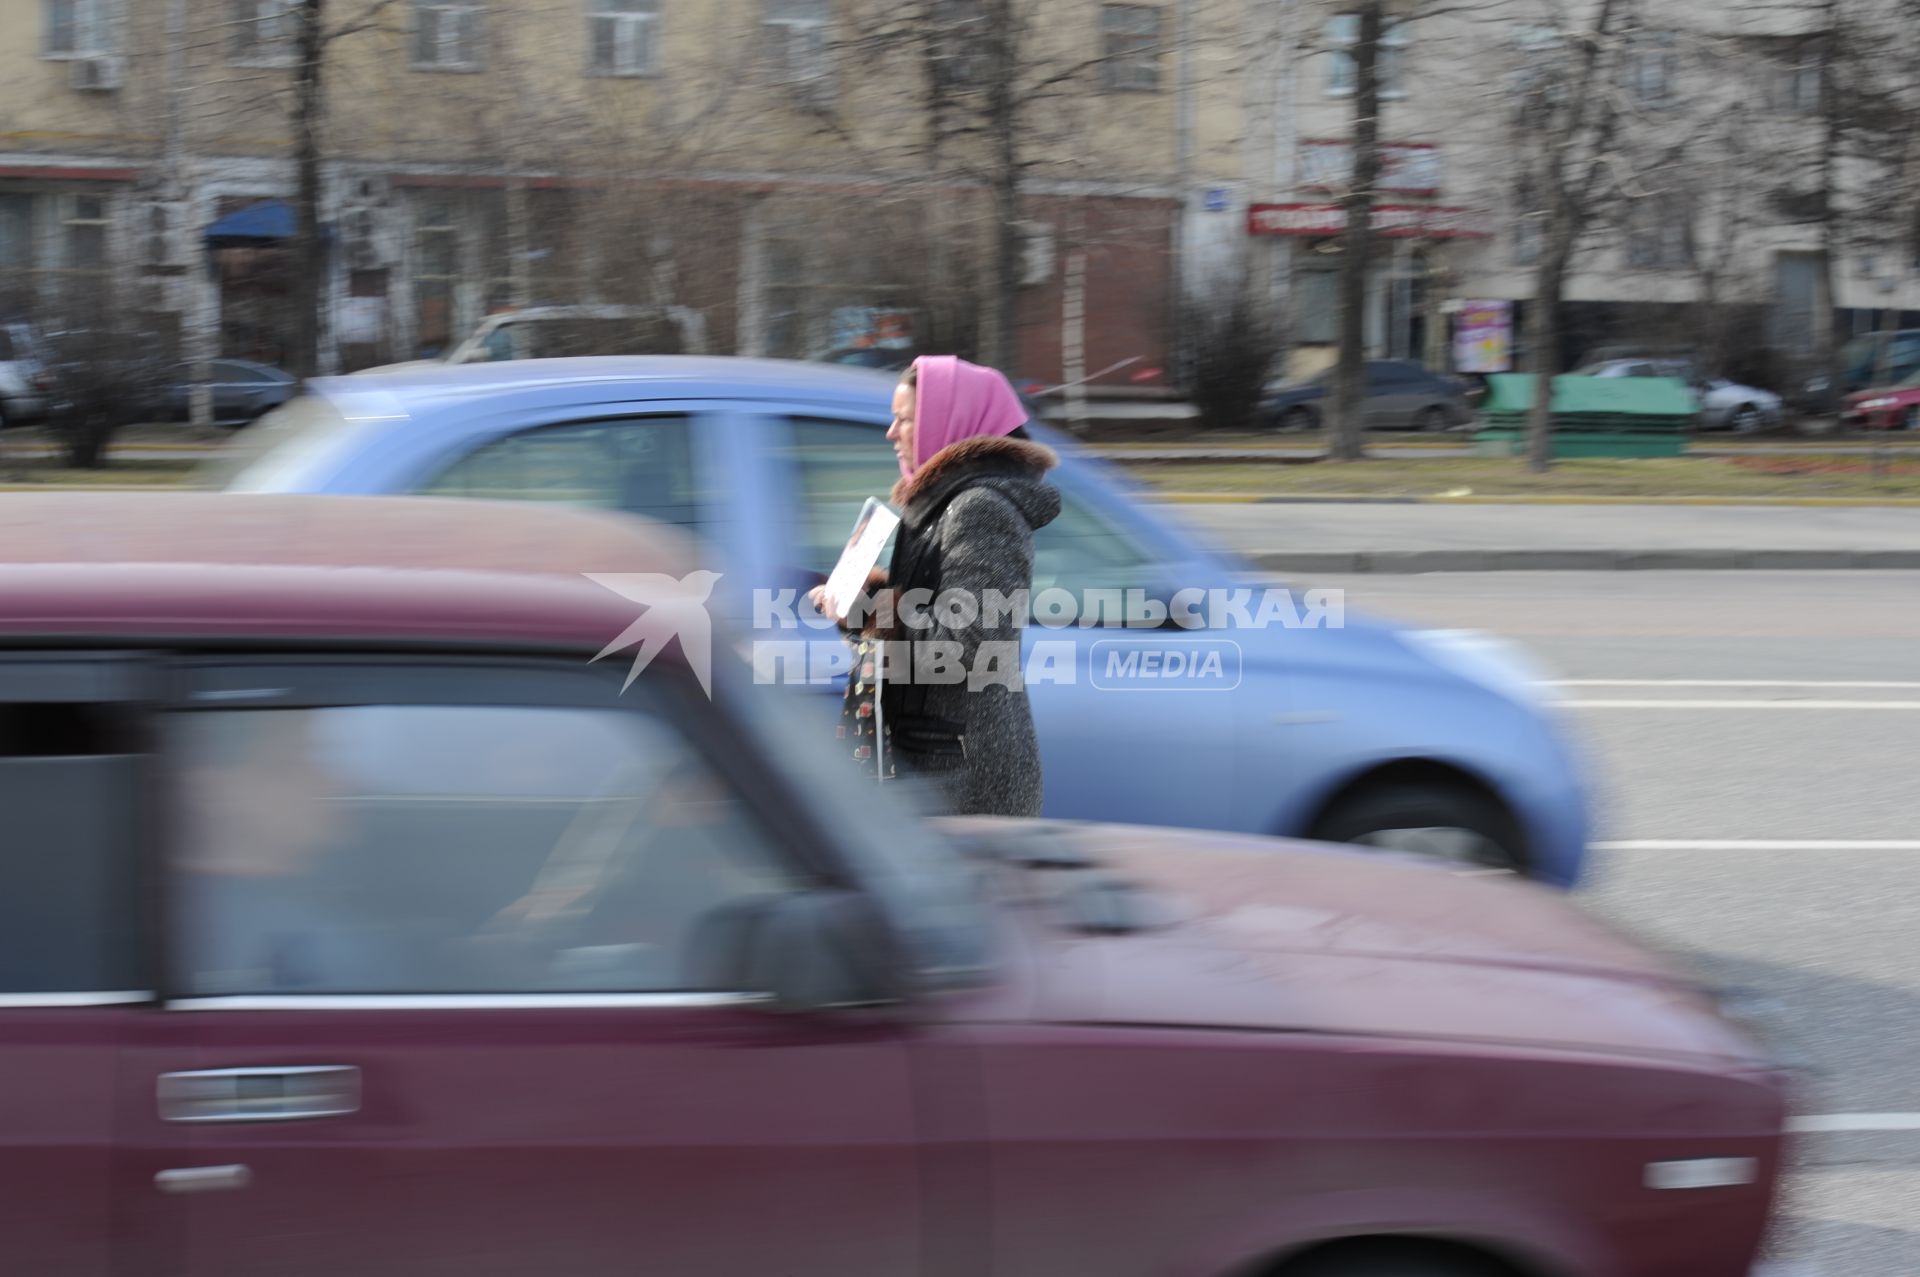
x: 1723, y: 404
x: 24, y: 381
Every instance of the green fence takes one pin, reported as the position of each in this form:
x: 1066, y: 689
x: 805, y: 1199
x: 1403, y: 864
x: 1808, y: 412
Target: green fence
x: 1592, y: 416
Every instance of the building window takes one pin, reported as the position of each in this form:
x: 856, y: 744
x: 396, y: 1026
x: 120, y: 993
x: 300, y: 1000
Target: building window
x: 436, y: 272
x: 798, y: 38
x: 1792, y: 76
x: 1660, y: 233
x: 962, y: 45
x: 1316, y: 299
x: 16, y: 234
x: 159, y: 251
x: 1526, y: 239
x: 264, y: 31
x: 1343, y: 72
x: 1130, y: 49
x: 448, y: 35
x: 79, y: 28
x: 1651, y: 68
x: 84, y: 234
x: 625, y: 37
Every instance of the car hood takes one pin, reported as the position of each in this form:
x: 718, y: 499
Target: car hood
x: 1262, y: 934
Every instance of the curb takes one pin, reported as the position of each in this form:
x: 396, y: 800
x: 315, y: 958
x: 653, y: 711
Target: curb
x: 1368, y: 498
x: 1413, y: 562
x: 194, y: 450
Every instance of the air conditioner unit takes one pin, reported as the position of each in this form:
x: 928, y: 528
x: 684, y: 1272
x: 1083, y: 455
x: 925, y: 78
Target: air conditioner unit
x: 96, y: 75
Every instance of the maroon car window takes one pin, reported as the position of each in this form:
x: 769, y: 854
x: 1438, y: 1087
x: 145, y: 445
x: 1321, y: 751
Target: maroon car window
x: 411, y: 849
x: 640, y: 465
x: 71, y: 784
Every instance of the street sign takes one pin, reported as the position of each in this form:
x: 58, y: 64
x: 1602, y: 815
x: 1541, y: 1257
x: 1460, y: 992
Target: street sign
x: 1394, y: 221
x: 1218, y: 199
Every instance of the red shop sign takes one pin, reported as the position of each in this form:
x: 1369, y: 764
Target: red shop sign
x: 1395, y: 221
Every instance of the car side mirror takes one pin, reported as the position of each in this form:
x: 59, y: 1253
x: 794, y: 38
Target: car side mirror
x: 821, y: 950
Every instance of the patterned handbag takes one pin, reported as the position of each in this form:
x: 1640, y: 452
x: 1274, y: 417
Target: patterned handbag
x: 861, y: 726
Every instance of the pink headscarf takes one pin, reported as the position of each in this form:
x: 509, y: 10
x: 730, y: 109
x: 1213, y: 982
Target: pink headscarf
x: 957, y: 400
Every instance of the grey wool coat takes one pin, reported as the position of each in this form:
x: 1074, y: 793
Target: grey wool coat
x: 967, y: 522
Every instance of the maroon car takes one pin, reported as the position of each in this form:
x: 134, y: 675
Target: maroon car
x: 354, y: 921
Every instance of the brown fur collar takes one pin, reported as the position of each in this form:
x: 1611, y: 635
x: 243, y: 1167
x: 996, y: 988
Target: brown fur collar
x: 1000, y: 451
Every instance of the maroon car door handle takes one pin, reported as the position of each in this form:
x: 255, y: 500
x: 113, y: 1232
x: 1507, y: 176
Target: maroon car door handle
x: 203, y: 1179
x: 290, y: 1094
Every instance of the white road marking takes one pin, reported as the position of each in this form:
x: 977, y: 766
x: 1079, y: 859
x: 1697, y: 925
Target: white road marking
x: 1728, y: 682
x: 1828, y: 705
x: 1761, y: 844
x: 1827, y: 1123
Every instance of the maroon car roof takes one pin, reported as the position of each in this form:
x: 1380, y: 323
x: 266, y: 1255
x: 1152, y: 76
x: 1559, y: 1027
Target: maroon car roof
x: 332, y: 568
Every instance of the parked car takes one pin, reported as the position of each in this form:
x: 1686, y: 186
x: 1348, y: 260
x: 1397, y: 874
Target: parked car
x: 1884, y: 408
x: 25, y: 383
x: 1724, y: 405
x: 1401, y: 395
x: 1367, y: 733
x: 379, y: 903
x: 548, y: 332
x: 242, y: 390
x: 1886, y: 359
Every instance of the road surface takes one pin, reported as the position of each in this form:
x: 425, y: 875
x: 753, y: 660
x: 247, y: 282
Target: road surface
x: 1757, y: 736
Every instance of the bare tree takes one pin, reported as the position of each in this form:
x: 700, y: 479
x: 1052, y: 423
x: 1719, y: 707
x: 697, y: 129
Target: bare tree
x: 1567, y: 130
x: 314, y: 39
x: 1356, y: 263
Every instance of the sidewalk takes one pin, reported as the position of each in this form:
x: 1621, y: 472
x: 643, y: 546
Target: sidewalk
x: 1458, y: 446
x: 1337, y: 537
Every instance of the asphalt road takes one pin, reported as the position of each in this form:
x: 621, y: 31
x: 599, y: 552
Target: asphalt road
x: 1755, y: 733
x: 1373, y: 527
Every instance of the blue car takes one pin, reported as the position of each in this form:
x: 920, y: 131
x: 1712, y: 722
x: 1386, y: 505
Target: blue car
x: 1440, y: 743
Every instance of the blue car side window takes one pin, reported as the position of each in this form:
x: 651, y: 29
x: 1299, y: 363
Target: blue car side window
x: 638, y: 465
x: 841, y: 464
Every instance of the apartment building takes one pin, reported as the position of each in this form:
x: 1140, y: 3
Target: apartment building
x: 795, y: 170
x: 775, y: 164
x: 1716, y: 165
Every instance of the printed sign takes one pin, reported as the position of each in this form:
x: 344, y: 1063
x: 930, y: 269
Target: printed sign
x: 1483, y: 337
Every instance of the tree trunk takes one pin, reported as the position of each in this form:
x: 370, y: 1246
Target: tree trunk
x: 1003, y: 127
x: 1348, y: 442
x: 1826, y: 293
x: 86, y: 440
x: 1543, y: 345
x: 309, y: 249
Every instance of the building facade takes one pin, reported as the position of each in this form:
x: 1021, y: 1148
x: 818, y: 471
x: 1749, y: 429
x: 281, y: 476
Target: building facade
x: 783, y: 166
x: 1707, y: 224
x: 810, y: 173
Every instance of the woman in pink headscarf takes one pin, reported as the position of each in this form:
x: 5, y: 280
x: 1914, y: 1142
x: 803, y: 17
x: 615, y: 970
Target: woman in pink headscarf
x: 972, y: 493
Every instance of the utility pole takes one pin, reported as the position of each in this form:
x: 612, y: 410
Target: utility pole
x: 201, y: 301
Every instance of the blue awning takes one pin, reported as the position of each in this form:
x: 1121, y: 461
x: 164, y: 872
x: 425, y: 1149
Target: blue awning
x: 268, y: 222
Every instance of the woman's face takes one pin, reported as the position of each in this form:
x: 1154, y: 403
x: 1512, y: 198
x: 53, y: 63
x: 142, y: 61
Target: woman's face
x: 900, y: 433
